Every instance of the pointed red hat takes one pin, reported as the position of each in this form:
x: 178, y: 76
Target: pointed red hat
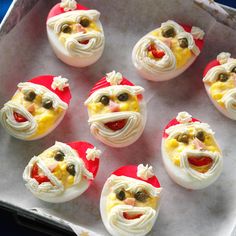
x: 60, y: 8
x: 174, y: 122
x: 91, y: 164
x: 48, y: 81
x: 131, y: 172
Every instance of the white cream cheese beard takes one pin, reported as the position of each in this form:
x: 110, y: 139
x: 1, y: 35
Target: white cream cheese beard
x: 75, y: 53
x: 164, y: 68
x: 229, y: 98
x: 20, y: 130
x: 185, y: 175
x: 114, y: 221
x: 127, y: 135
x: 54, y: 190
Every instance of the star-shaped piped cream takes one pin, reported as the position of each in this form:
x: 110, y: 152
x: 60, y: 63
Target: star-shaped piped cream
x: 114, y: 78
x: 68, y: 5
x: 59, y: 83
x: 145, y: 172
x: 92, y: 153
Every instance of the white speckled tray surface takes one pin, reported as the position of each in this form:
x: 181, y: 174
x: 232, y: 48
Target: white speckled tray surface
x: 25, y: 53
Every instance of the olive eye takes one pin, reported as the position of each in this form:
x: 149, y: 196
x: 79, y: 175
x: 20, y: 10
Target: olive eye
x: 141, y: 196
x: 183, y: 138
x: 71, y: 169
x: 183, y: 43
x: 104, y: 100
x: 120, y: 195
x: 30, y: 96
x: 168, y: 32
x: 85, y: 22
x: 200, y: 135
x: 223, y: 77
x: 234, y: 70
x: 47, y: 103
x: 66, y: 29
x: 123, y: 97
x: 59, y: 156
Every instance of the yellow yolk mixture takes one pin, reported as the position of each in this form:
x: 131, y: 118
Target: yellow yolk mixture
x: 174, y: 147
x: 182, y: 55
x: 218, y: 89
x: 74, y: 29
x: 45, y: 118
x: 112, y: 201
x: 58, y: 168
x: 132, y: 104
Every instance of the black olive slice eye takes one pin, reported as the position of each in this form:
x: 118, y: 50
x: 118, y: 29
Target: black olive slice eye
x: 30, y: 96
x: 71, y: 169
x: 47, y: 103
x: 120, y: 195
x: 183, y: 138
x: 66, y: 29
x: 234, y: 70
x: 123, y: 97
x: 168, y: 32
x: 223, y: 77
x: 200, y: 135
x: 183, y: 43
x: 141, y: 196
x: 104, y: 100
x: 59, y: 156
x: 85, y: 22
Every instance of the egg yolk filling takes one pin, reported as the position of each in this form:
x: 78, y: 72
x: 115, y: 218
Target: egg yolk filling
x: 54, y: 160
x: 193, y: 139
x: 115, y: 103
x: 42, y: 111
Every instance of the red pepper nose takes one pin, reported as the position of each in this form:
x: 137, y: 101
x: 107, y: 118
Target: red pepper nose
x: 130, y: 201
x: 113, y: 106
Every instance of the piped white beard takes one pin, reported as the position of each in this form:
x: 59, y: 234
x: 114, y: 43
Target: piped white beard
x: 54, y: 191
x: 20, y: 130
x: 187, y: 176
x: 229, y: 100
x: 127, y: 135
x: 140, y: 226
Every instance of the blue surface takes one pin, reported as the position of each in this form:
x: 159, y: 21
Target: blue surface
x: 4, y: 5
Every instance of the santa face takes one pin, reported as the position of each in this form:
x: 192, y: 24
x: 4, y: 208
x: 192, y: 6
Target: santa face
x: 166, y: 52
x: 32, y: 112
x: 76, y: 36
x: 58, y: 174
x: 117, y: 114
x: 220, y: 84
x: 190, y: 154
x: 129, y: 206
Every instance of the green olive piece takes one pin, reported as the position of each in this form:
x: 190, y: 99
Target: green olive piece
x: 85, y: 22
x: 120, y: 195
x: 183, y: 138
x: 234, y: 70
x: 183, y: 43
x: 59, y: 156
x: 30, y: 96
x: 47, y: 103
x: 223, y: 77
x: 168, y: 32
x: 66, y: 29
x: 104, y: 100
x: 200, y: 135
x: 71, y: 169
x: 123, y: 97
x: 141, y: 196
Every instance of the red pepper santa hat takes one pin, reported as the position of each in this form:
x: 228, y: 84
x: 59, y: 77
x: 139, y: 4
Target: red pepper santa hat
x: 55, y: 84
x: 68, y: 7
x: 89, y: 154
x: 221, y: 58
x: 114, y: 79
x: 182, y: 118
x: 140, y: 172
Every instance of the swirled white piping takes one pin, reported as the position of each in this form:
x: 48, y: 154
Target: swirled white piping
x: 21, y: 130
x: 215, y: 168
x: 44, y: 92
x: 139, y: 226
x: 55, y: 186
x: 170, y: 23
x: 229, y: 99
x: 142, y: 60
